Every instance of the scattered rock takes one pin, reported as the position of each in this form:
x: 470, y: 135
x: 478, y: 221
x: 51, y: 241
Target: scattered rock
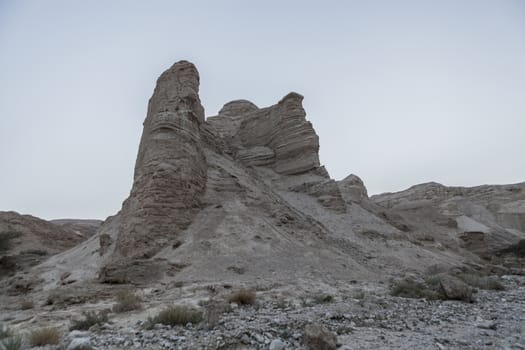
x: 317, y: 337
x: 455, y: 289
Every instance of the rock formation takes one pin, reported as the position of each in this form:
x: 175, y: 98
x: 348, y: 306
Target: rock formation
x: 26, y: 240
x: 242, y: 196
x: 239, y: 203
x: 170, y: 172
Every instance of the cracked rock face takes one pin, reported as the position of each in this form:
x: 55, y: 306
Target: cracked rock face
x: 170, y: 172
x: 242, y: 196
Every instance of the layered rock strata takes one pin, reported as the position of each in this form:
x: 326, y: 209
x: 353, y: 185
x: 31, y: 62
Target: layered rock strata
x: 170, y: 172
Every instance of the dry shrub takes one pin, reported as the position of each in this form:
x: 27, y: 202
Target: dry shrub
x: 27, y: 304
x: 243, y: 297
x: 177, y: 315
x: 481, y: 282
x: 90, y: 319
x: 127, y: 301
x: 44, y: 336
x: 408, y: 288
x: 83, y: 347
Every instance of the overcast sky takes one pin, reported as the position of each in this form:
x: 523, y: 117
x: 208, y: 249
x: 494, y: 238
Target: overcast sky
x: 400, y: 92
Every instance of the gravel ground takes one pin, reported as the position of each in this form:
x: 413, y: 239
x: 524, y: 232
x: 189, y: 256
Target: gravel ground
x: 496, y: 320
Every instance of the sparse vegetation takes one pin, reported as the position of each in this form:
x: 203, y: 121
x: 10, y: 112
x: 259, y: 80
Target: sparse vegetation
x: 5, y: 240
x: 176, y: 315
x: 12, y: 343
x: 27, y: 305
x: 323, y: 299
x: 4, y: 332
x: 243, y: 297
x: 127, y: 301
x: 481, y: 282
x: 359, y: 294
x: 40, y: 252
x: 517, y: 249
x: 44, y: 336
x: 409, y: 288
x: 281, y: 303
x: 83, y: 347
x: 90, y: 319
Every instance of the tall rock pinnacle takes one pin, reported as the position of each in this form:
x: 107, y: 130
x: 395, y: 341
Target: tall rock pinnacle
x: 170, y: 172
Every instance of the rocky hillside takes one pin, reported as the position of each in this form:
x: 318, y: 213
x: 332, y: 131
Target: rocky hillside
x: 233, y: 219
x: 242, y: 196
x: 483, y: 219
x: 26, y: 240
x: 85, y: 227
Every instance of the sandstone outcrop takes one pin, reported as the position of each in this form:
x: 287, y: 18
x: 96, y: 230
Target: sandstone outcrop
x: 170, y: 172
x: 352, y: 189
x: 485, y: 219
x: 26, y: 240
x: 242, y: 196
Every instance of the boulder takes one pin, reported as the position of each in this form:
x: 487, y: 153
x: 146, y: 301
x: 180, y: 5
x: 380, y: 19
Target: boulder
x: 317, y: 337
x: 455, y: 289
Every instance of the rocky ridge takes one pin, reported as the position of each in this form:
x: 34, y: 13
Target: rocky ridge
x: 241, y: 199
x: 245, y: 191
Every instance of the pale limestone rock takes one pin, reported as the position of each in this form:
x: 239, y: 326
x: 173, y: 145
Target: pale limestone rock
x: 352, y: 189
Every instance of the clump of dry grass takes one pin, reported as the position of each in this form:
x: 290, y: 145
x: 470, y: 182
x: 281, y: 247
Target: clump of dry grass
x: 44, y: 336
x: 481, y: 282
x: 91, y: 318
x: 27, y: 304
x: 127, y: 301
x: 243, y: 297
x: 409, y: 288
x: 177, y: 315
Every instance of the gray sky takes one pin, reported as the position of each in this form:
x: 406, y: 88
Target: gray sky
x: 400, y: 92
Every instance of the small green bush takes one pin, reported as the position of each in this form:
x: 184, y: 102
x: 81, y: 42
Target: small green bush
x: 12, y: 343
x: 4, y: 332
x: 243, y: 297
x: 127, y: 301
x: 177, y: 315
x: 44, y: 336
x: 90, y: 319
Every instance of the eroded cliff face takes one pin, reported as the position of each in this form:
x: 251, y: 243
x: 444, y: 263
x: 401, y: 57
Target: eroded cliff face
x: 278, y: 137
x: 170, y: 172
x: 243, y: 196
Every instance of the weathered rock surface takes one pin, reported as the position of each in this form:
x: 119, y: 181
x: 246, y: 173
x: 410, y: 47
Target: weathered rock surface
x: 240, y: 200
x: 245, y: 191
x: 26, y: 240
x: 30, y: 233
x: 484, y: 219
x: 170, y: 172
x: 86, y: 228
x: 317, y: 337
x: 455, y: 289
x: 353, y: 189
